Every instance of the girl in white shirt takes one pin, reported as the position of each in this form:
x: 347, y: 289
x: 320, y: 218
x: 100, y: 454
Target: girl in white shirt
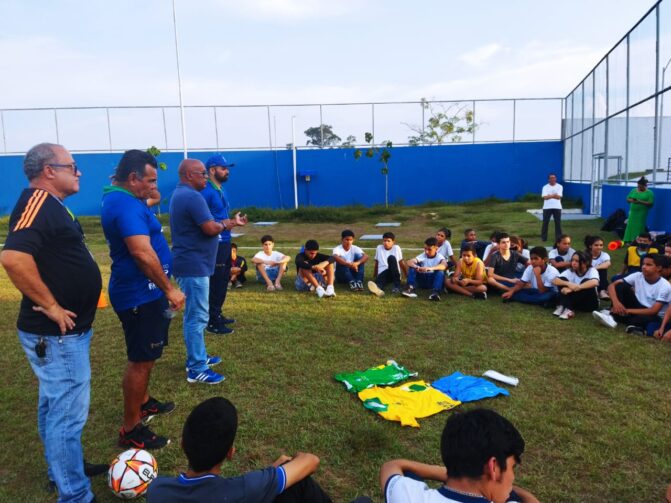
x: 577, y: 287
x: 600, y: 262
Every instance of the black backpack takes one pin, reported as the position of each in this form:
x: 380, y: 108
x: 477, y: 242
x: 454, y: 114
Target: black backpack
x: 616, y: 222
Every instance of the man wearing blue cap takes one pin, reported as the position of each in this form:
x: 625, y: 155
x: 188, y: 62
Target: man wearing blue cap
x: 218, y: 172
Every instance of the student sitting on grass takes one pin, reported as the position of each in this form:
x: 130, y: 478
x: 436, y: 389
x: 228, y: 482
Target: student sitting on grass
x: 535, y: 286
x: 600, y: 262
x: 520, y: 245
x: 314, y: 270
x: 480, y: 450
x: 207, y: 441
x: 471, y: 238
x: 634, y: 254
x: 469, y: 277
x: 443, y: 237
x: 663, y: 332
x: 577, y: 287
x: 238, y: 267
x: 560, y: 255
x: 388, y: 266
x: 270, y: 265
x: 349, y: 262
x: 426, y: 271
x: 638, y: 299
x: 502, y: 265
x: 492, y: 246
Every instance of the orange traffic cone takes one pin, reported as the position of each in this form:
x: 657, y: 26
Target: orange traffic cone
x: 614, y: 245
x: 102, y: 300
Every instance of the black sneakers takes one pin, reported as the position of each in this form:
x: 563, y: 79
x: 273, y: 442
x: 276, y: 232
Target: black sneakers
x: 141, y: 437
x: 153, y: 408
x: 95, y: 469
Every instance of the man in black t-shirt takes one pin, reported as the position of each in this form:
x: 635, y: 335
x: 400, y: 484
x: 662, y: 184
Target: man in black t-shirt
x: 315, y: 270
x: 46, y: 259
x: 502, y: 266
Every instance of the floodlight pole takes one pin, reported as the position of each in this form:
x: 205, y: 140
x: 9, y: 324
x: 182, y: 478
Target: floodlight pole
x: 179, y: 81
x: 293, y: 148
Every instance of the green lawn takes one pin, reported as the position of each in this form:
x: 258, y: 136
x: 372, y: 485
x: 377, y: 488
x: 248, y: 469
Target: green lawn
x: 593, y: 404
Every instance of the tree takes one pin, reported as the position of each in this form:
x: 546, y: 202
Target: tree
x: 383, y: 152
x: 314, y: 134
x: 446, y: 124
x: 156, y: 152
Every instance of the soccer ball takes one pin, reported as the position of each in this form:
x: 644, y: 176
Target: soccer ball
x: 131, y: 472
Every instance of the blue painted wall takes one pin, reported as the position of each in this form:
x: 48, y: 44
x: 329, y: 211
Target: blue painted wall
x: 582, y: 191
x: 451, y: 173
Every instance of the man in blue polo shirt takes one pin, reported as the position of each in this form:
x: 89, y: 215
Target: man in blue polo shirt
x: 140, y: 290
x: 194, y: 247
x: 218, y: 172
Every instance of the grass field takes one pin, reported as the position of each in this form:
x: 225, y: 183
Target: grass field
x: 593, y: 404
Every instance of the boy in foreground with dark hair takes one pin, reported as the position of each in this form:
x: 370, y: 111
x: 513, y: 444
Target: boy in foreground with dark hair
x: 349, y: 262
x: 480, y: 450
x: 207, y: 441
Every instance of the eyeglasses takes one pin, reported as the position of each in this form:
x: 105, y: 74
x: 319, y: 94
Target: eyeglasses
x: 73, y: 167
x: 201, y: 173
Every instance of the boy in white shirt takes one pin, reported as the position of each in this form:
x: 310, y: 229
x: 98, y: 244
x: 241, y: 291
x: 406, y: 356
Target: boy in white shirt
x: 552, y: 194
x: 536, y: 285
x: 427, y: 270
x: 388, y: 266
x: 638, y: 299
x: 480, y: 450
x: 270, y: 265
x: 350, y: 260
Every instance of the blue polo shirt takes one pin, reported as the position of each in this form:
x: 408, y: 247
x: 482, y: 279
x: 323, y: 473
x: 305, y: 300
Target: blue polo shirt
x: 124, y: 215
x: 215, y: 197
x: 193, y: 252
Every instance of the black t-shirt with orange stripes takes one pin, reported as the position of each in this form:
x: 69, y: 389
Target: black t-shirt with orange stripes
x: 43, y: 227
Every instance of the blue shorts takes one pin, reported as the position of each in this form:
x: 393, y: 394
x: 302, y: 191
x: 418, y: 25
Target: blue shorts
x: 272, y: 273
x: 302, y: 286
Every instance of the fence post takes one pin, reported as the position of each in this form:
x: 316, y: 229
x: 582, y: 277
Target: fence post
x: 58, y: 140
x: 321, y: 128
x: 216, y: 128
x: 109, y: 128
x: 474, y: 122
x: 372, y: 112
x: 165, y: 128
x: 514, y: 118
x: 4, y: 139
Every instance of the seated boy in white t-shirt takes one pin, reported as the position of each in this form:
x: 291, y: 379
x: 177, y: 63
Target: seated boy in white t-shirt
x: 480, y: 450
x: 270, y: 265
x: 388, y: 266
x: 426, y: 270
x: 350, y: 260
x: 639, y: 299
x: 536, y: 285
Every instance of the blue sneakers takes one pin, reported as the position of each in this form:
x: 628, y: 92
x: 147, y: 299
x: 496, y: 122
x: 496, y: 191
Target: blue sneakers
x: 213, y: 360
x: 206, y: 376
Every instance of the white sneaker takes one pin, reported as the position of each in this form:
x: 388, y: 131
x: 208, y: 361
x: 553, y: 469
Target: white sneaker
x: 606, y: 319
x: 372, y: 286
x: 320, y: 291
x: 330, y: 292
x: 558, y: 311
x: 566, y: 315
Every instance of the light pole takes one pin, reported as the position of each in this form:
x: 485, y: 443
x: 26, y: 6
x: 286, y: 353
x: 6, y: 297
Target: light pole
x: 179, y: 80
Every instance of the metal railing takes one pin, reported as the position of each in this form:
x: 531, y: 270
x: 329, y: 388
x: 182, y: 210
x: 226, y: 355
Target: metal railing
x: 251, y: 127
x: 613, y: 121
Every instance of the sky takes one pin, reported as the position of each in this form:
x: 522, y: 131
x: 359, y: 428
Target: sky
x: 107, y: 53
x: 101, y: 52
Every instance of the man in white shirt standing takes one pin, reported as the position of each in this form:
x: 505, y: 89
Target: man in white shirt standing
x: 552, y: 194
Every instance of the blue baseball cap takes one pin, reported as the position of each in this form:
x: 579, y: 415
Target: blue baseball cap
x: 218, y: 160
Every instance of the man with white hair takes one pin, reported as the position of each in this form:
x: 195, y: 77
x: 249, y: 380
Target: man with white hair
x: 47, y: 260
